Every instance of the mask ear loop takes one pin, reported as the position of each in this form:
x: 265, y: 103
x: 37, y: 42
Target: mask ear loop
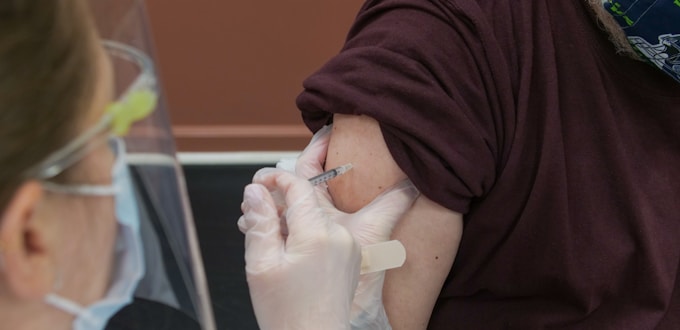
x: 85, y: 190
x: 69, y: 307
x: 64, y: 304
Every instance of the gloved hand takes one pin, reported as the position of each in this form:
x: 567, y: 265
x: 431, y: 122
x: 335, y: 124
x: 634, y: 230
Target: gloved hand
x: 311, y: 161
x: 367, y: 311
x: 307, y: 278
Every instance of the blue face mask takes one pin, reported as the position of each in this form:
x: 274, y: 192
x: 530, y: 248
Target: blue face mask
x: 652, y: 28
x: 129, y: 258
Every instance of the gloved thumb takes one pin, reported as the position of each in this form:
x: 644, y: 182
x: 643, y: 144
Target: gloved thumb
x: 312, y: 159
x: 374, y: 222
x: 304, y: 218
x: 262, y: 228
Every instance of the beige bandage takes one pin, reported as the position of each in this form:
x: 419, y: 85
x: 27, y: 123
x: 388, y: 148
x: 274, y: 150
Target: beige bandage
x: 382, y: 256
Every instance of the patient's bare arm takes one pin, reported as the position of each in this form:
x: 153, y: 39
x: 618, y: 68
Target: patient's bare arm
x: 430, y: 232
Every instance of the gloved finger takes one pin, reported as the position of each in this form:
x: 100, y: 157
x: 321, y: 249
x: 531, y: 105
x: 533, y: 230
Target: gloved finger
x: 264, y: 171
x: 245, y: 224
x: 263, y: 242
x: 374, y: 222
x: 242, y: 224
x: 287, y: 163
x: 312, y: 159
x: 304, y: 217
x: 276, y: 195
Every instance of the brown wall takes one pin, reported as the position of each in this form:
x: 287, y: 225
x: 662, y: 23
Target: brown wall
x: 232, y: 69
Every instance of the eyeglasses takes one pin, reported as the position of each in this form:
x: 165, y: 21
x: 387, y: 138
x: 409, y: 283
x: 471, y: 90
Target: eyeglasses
x: 134, y: 104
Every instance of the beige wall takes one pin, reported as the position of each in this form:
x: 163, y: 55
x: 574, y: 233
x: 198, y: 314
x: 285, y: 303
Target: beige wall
x: 232, y: 69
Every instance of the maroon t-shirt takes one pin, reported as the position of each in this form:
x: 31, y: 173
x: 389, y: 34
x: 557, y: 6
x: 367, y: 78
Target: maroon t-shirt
x: 563, y: 156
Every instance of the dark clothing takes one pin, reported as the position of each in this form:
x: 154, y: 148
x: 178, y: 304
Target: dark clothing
x: 563, y: 156
x: 149, y: 314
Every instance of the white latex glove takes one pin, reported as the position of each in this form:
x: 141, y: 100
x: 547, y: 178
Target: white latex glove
x: 303, y: 280
x: 310, y: 162
x: 307, y: 278
x: 368, y: 311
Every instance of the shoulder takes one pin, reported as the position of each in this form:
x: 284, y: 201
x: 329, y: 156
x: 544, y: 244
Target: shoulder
x: 358, y: 139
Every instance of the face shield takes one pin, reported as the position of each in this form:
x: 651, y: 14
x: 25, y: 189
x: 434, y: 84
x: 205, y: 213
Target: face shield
x: 173, y: 291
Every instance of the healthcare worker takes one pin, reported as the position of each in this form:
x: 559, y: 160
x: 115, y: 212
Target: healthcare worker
x: 302, y: 271
x: 95, y: 229
x: 94, y: 221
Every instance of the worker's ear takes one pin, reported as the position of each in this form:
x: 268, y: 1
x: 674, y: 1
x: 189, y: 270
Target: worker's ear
x: 25, y: 261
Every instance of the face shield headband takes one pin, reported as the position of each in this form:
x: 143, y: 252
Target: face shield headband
x: 653, y: 29
x: 173, y: 287
x: 136, y: 103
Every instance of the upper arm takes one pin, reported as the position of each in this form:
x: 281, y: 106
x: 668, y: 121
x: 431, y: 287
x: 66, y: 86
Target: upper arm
x: 430, y: 232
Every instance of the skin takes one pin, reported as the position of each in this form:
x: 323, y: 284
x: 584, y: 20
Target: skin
x: 430, y: 232
x: 60, y: 243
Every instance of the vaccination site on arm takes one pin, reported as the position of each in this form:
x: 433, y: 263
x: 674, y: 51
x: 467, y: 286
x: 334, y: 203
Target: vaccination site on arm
x: 353, y: 165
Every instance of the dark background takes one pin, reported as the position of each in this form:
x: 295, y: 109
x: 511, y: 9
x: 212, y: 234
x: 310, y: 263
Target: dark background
x: 216, y: 193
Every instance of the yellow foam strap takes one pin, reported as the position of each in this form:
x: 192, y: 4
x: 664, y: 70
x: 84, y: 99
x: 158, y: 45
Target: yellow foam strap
x: 382, y: 256
x: 138, y: 105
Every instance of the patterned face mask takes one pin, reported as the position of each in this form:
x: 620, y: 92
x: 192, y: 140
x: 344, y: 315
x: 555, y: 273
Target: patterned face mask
x: 652, y: 28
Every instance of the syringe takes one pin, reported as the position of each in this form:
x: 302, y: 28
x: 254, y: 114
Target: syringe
x: 325, y: 176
